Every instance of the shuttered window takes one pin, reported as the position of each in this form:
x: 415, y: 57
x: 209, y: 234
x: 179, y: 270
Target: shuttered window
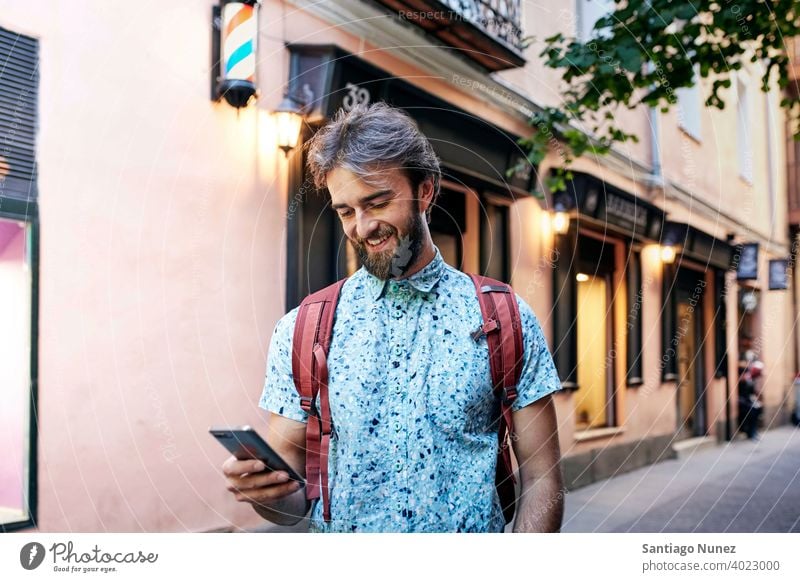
x: 19, y: 88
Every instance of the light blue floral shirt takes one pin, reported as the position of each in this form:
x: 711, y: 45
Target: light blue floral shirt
x: 413, y: 449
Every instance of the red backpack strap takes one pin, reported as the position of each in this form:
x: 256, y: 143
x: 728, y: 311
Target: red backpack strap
x: 502, y: 327
x: 312, y: 340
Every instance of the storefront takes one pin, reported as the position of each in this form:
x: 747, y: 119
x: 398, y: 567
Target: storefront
x: 694, y: 334
x: 639, y: 330
x: 470, y: 222
x: 598, y: 279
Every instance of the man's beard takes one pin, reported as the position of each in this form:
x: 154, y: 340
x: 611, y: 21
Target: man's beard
x: 393, y: 262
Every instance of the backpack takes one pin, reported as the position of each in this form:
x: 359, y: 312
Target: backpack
x: 310, y: 344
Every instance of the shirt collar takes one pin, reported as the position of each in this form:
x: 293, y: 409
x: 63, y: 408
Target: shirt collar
x: 423, y: 280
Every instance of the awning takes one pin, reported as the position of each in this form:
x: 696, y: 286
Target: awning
x: 333, y: 78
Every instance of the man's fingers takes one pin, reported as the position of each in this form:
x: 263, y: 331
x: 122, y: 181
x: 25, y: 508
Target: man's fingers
x: 265, y: 494
x: 233, y: 467
x: 256, y: 481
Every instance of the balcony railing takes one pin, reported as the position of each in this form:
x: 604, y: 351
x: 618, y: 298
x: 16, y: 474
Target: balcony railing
x: 485, y: 31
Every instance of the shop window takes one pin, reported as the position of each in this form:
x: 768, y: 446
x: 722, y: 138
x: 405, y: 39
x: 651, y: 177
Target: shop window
x: 495, y: 246
x: 668, y: 325
x: 720, y: 328
x: 16, y: 437
x: 594, y: 399
x: 594, y: 343
x: 19, y: 88
x: 583, y: 326
x: 448, y: 224
x: 633, y: 330
x: 318, y: 253
x: 565, y: 309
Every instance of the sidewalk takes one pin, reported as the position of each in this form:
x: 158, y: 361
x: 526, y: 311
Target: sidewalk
x: 740, y: 486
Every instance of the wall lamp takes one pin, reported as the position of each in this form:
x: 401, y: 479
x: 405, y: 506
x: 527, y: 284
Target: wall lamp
x: 560, y: 220
x: 289, y: 116
x: 668, y: 254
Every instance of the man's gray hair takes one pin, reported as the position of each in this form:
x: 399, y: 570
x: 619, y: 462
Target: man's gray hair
x: 370, y: 139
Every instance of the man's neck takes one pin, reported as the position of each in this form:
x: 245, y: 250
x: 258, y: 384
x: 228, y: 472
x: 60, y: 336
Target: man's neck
x: 423, y: 260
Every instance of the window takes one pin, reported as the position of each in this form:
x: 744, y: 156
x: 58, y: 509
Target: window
x: 594, y: 343
x: 495, y: 252
x: 589, y: 12
x: 317, y: 250
x: 448, y: 224
x: 743, y: 138
x: 15, y: 370
x: 690, y: 108
x: 594, y: 399
x: 635, y: 295
x: 19, y: 83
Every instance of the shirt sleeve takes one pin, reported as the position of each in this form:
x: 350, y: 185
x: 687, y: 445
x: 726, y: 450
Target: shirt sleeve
x: 539, y: 377
x: 279, y: 394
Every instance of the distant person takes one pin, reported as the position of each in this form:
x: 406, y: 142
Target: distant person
x: 750, y: 405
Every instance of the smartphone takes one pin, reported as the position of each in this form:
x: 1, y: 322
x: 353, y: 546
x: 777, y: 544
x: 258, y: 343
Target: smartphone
x: 245, y: 443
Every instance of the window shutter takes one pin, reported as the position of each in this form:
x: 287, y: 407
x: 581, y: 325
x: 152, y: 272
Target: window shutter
x: 19, y: 90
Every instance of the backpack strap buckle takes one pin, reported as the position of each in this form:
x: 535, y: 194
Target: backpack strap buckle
x: 487, y: 327
x: 308, y: 405
x: 509, y: 395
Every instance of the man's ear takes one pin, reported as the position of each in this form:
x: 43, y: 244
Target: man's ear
x: 425, y: 195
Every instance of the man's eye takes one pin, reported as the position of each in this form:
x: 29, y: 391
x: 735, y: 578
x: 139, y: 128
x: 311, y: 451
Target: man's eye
x: 345, y: 213
x: 380, y: 204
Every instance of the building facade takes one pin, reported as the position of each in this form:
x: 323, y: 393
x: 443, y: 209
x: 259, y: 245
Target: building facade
x: 151, y: 236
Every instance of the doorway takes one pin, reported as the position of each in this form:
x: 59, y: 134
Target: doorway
x: 594, y: 369
x: 594, y: 399
x: 690, y: 388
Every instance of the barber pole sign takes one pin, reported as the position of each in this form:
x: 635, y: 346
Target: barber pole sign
x: 238, y: 38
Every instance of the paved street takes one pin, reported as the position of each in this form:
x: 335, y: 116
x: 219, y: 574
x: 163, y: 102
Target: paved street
x: 741, y: 486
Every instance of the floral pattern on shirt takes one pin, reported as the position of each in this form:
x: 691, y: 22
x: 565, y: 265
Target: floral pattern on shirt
x: 413, y: 447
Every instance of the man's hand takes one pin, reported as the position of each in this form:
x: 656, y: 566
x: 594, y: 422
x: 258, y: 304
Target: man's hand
x: 272, y: 495
x: 250, y: 481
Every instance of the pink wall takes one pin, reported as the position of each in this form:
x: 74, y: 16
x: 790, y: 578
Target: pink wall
x: 162, y: 265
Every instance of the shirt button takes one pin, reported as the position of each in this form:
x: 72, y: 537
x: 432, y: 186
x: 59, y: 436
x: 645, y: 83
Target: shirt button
x: 397, y: 351
x: 397, y: 425
x: 398, y: 466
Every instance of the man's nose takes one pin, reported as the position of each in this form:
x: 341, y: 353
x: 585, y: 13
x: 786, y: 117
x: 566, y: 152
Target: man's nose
x: 365, y: 225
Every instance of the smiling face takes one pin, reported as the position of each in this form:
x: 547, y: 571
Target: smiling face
x: 383, y: 220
